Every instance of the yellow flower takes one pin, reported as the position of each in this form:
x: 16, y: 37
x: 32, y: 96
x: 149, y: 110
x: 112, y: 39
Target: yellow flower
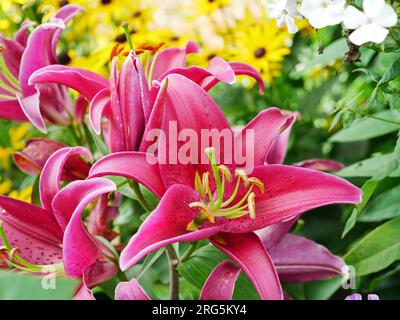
x: 263, y: 45
x: 5, y: 186
x: 209, y: 6
x: 24, y: 195
x: 5, y: 154
x: 17, y: 134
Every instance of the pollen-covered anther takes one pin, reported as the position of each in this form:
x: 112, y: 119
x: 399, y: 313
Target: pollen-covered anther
x: 13, y: 253
x: 206, y: 182
x: 258, y: 183
x: 241, y: 174
x: 203, y: 208
x: 224, y: 170
x: 252, y: 205
x: 3, y: 250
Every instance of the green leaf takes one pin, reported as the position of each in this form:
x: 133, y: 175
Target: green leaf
x: 368, y: 167
x: 383, y: 207
x: 377, y: 250
x: 367, y: 128
x: 17, y: 286
x: 322, y: 289
x: 350, y: 223
x: 199, y: 266
x: 100, y: 145
x: 391, y: 73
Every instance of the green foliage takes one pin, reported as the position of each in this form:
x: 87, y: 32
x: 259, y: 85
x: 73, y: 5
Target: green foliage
x: 25, y: 287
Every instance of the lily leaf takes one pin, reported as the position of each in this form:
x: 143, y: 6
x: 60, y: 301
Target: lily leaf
x: 368, y: 128
x: 17, y: 286
x: 377, y: 250
x: 199, y: 266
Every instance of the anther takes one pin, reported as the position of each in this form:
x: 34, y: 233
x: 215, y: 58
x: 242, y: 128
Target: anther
x: 252, y: 205
x: 225, y: 172
x: 13, y: 253
x: 242, y: 175
x: 206, y: 182
x: 258, y: 183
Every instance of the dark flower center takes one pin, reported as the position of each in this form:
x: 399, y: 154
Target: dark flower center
x: 211, y: 56
x: 64, y: 58
x: 105, y: 1
x: 63, y: 3
x: 137, y: 14
x: 260, y: 52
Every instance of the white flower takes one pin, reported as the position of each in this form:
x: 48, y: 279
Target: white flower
x: 370, y: 25
x: 322, y: 13
x: 285, y: 11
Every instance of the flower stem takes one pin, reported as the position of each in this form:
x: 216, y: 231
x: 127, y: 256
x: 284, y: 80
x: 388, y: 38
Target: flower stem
x: 189, y: 252
x: 173, y: 273
x: 136, y: 189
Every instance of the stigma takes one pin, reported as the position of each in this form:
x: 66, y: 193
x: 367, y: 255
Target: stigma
x: 213, y: 205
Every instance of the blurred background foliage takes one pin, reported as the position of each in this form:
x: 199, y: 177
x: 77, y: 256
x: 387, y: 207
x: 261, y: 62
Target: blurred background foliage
x: 348, y: 101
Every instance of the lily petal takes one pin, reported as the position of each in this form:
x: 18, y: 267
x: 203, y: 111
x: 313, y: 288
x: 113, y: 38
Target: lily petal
x: 31, y: 229
x: 277, y: 152
x: 132, y: 165
x: 50, y: 179
x: 221, y: 282
x: 130, y: 291
x: 189, y: 109
x: 249, y: 253
x: 320, y: 164
x: 35, y: 154
x: 298, y: 259
x: 167, y: 224
x: 11, y: 110
x: 289, y: 192
x: 244, y: 69
x: 218, y: 70
x: 266, y: 127
x: 80, y: 249
x: 171, y: 58
x: 85, y: 82
x: 99, y: 105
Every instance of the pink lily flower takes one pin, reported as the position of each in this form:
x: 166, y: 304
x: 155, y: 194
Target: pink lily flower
x: 52, y: 238
x: 37, y: 151
x: 126, y: 100
x: 22, y: 56
x: 229, y: 207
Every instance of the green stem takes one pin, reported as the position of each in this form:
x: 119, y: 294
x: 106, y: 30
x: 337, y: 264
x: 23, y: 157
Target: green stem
x: 125, y: 26
x: 189, y: 251
x: 173, y: 273
x: 379, y: 118
x: 136, y: 189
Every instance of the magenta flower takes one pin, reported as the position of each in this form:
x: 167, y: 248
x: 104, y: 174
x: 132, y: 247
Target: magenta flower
x: 37, y: 151
x: 22, y: 56
x: 52, y: 238
x: 128, y: 98
x: 220, y: 201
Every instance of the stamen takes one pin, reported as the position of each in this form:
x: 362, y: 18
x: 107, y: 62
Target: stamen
x: 198, y: 185
x: 242, y: 175
x: 17, y: 262
x: 258, y: 183
x: 204, y: 209
x: 209, y: 210
x: 225, y: 172
x: 252, y: 205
